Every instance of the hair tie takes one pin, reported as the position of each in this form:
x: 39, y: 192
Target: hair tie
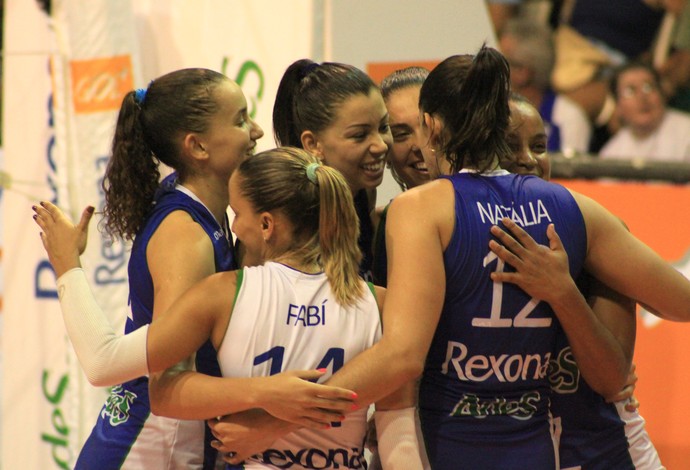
x: 311, y: 172
x: 140, y: 96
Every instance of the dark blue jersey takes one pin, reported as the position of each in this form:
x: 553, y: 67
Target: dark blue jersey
x: 126, y: 432
x: 484, y: 396
x: 592, y: 434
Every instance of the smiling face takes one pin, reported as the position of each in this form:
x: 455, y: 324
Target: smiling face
x: 231, y: 134
x: 357, y: 141
x: 526, y: 138
x: 406, y: 157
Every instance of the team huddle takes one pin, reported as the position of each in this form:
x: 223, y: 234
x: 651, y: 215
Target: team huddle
x: 482, y: 319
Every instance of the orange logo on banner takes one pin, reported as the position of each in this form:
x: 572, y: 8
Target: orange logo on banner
x: 100, y: 84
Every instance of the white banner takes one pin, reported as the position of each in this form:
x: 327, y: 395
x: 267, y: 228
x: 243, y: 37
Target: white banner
x: 250, y: 41
x: 96, y: 64
x: 70, y: 125
x: 63, y: 82
x: 36, y: 423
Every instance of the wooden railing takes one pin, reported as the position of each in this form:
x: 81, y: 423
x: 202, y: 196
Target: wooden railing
x: 592, y: 167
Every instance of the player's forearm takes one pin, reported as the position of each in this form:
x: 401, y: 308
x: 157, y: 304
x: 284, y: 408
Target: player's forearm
x: 185, y: 394
x: 107, y: 358
x: 377, y: 372
x: 599, y: 355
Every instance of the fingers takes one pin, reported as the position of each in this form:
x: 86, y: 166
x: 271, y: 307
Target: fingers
x: 509, y: 277
x: 311, y: 375
x: 554, y: 240
x: 625, y: 394
x: 312, y: 416
x: 504, y: 253
x: 40, y: 221
x: 47, y: 215
x: 218, y: 445
x: 522, y: 237
x: 633, y: 404
x: 52, y: 209
x: 335, y: 405
x: 336, y: 393
x: 506, y: 240
x: 46, y: 211
x: 235, y: 458
x: 86, y: 215
x: 329, y: 394
x: 41, y: 215
x: 231, y: 458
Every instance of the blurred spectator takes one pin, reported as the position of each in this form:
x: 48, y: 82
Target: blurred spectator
x: 500, y: 11
x: 529, y: 49
x: 649, y: 129
x: 675, y: 69
x: 597, y: 36
x: 545, y: 12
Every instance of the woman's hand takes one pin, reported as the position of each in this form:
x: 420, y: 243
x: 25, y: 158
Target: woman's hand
x: 627, y: 394
x: 241, y: 435
x: 63, y: 241
x: 541, y: 271
x: 292, y: 396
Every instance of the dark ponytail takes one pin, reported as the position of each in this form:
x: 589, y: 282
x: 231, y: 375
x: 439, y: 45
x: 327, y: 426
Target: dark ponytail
x: 309, y: 95
x: 470, y: 94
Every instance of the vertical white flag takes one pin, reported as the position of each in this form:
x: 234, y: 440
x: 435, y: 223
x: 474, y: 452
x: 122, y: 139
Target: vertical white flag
x: 96, y: 64
x: 48, y: 407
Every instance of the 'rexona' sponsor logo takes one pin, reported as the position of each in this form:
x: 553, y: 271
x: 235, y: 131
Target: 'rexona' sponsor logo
x: 100, y: 84
x: 314, y: 458
x: 506, y: 368
x: 472, y: 405
x: 118, y: 405
x: 564, y: 375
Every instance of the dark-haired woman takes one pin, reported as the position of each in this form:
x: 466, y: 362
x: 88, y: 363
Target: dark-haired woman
x: 336, y: 112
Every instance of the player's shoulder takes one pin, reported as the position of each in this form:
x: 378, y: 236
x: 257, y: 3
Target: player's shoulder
x: 424, y: 196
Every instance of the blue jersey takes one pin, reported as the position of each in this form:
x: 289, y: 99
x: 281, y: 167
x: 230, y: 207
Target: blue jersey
x: 592, y: 433
x: 126, y: 434
x: 484, y: 394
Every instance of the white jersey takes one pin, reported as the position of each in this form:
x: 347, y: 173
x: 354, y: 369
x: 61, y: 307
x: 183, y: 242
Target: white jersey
x: 282, y: 320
